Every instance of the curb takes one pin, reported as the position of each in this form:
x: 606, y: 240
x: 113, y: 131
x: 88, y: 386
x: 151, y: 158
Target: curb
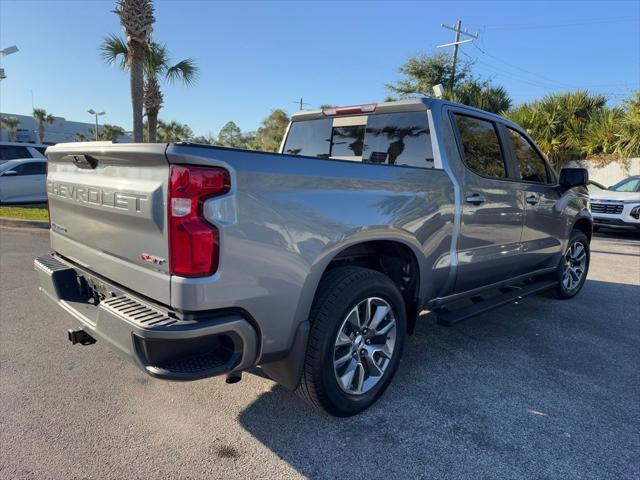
x: 14, y: 222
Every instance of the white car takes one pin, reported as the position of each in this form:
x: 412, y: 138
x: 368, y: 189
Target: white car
x: 23, y: 181
x: 618, y: 206
x: 17, y: 150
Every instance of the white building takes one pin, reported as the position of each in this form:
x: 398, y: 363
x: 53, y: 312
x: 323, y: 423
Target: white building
x: 59, y: 131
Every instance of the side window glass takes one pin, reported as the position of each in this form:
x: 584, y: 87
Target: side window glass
x: 532, y: 166
x: 32, y: 168
x: 11, y: 152
x: 481, y: 146
x: 398, y: 139
x: 20, y: 170
x: 38, y: 168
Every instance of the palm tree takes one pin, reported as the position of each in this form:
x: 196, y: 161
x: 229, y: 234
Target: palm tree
x: 108, y: 132
x: 559, y: 123
x: 628, y: 144
x: 81, y: 137
x: 481, y: 95
x: 173, y: 131
x: 11, y: 124
x: 136, y: 16
x: 157, y: 64
x: 43, y: 118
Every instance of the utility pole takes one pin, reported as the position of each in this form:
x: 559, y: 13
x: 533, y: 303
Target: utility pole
x: 301, y: 103
x: 456, y: 43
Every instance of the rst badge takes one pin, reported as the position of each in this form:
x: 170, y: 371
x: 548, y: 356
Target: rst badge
x: 145, y: 257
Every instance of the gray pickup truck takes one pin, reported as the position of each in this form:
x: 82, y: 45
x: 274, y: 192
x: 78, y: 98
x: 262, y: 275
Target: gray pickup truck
x: 313, y: 263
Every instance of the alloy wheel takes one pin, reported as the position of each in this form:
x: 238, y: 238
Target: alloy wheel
x: 575, y: 262
x: 364, y: 345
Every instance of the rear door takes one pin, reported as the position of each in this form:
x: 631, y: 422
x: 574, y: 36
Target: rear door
x: 108, y: 212
x: 543, y: 221
x: 492, y: 205
x: 27, y: 185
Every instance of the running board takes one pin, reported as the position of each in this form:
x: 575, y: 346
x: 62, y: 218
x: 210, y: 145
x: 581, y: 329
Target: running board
x: 480, y: 305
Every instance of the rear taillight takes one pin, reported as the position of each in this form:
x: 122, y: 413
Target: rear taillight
x: 193, y: 242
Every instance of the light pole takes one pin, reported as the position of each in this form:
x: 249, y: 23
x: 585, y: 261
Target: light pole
x: 3, y: 53
x: 93, y: 112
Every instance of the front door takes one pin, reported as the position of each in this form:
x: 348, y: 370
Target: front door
x: 492, y: 207
x: 543, y: 221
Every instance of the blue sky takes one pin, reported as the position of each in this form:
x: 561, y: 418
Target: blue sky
x: 257, y: 56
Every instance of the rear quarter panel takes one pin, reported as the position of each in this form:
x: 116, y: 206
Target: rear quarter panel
x: 287, y: 217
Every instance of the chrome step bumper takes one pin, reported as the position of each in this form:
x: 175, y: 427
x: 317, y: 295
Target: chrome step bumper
x: 161, y: 344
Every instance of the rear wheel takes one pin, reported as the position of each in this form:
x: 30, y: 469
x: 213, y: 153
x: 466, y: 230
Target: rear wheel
x: 573, y: 267
x: 358, y: 327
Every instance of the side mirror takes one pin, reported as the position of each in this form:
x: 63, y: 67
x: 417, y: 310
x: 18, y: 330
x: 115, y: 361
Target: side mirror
x: 10, y: 173
x: 574, y: 177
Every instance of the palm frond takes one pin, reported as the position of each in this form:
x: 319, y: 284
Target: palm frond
x: 114, y: 51
x: 156, y: 59
x: 185, y: 71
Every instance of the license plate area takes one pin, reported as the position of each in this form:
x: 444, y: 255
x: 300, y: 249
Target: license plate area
x: 94, y: 289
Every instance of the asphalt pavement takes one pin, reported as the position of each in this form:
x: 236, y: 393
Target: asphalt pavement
x: 539, y: 389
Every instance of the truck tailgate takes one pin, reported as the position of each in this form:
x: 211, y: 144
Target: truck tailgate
x: 107, y: 206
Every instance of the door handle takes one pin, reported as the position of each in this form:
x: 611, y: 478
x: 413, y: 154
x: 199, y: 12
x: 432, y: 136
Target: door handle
x: 532, y: 199
x: 475, y: 199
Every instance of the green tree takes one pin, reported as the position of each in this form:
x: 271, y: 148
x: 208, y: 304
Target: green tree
x: 481, y: 94
x: 269, y: 135
x: 157, y: 65
x: 423, y: 72
x: 136, y: 17
x: 11, y: 124
x: 207, y: 139
x: 108, y: 132
x: 628, y: 144
x: 559, y: 123
x: 173, y: 131
x: 42, y: 118
x: 81, y: 137
x: 602, y: 134
x: 231, y: 136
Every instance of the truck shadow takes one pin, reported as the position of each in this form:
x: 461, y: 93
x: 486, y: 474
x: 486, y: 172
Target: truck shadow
x: 542, y: 388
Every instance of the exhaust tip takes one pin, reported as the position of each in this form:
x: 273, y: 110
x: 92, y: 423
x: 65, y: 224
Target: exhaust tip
x: 233, y: 377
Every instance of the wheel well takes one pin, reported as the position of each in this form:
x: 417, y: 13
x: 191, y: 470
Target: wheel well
x: 394, y: 259
x: 585, y: 226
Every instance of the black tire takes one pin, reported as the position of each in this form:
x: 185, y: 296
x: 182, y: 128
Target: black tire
x: 340, y: 290
x: 561, y: 291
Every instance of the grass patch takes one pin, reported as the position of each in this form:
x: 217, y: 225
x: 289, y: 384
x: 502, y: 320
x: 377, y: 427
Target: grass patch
x: 25, y: 212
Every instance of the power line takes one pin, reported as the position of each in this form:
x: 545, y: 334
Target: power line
x: 562, y: 25
x: 521, y: 69
x: 546, y: 79
x: 533, y: 82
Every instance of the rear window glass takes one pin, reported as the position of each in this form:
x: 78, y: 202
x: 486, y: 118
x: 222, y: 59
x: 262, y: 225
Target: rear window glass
x: 347, y: 142
x: 391, y: 139
x: 482, y: 152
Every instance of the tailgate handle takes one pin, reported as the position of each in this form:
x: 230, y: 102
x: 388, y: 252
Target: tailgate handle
x: 85, y: 161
